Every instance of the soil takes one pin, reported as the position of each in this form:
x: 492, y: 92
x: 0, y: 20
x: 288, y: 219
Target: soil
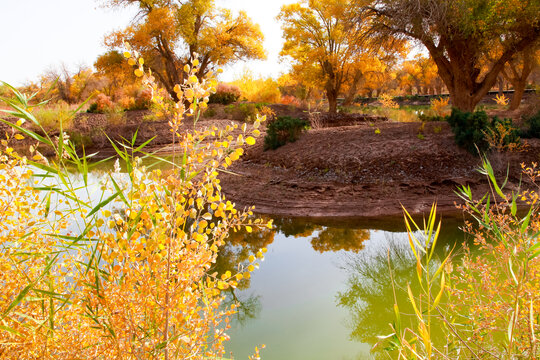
x: 369, y: 168
x: 356, y: 171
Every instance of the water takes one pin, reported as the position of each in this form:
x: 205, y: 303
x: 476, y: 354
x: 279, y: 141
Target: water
x: 323, y: 291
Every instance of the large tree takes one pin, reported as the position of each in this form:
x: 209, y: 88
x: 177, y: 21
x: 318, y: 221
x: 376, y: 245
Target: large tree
x: 169, y: 33
x: 457, y: 32
x: 326, y: 44
x: 518, y: 69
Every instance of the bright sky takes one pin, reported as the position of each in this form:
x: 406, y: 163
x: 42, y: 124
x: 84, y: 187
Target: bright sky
x: 39, y: 34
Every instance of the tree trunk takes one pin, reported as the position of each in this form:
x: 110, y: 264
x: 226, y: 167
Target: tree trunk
x: 332, y: 101
x: 519, y: 90
x: 500, y: 80
x: 353, y: 89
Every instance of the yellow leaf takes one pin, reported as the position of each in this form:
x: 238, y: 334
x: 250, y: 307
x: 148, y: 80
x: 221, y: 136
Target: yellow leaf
x: 250, y: 140
x: 127, y: 54
x: 19, y: 137
x: 139, y: 73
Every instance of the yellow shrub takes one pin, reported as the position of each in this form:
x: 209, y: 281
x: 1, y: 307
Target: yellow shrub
x: 129, y: 277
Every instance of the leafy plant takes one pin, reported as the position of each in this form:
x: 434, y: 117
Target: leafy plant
x: 469, y: 129
x: 387, y: 101
x: 488, y: 304
x: 533, y: 123
x: 501, y: 100
x: 127, y: 275
x: 283, y: 130
x: 225, y: 94
x: 502, y: 135
x: 440, y: 106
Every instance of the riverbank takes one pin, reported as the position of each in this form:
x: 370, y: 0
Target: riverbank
x: 368, y: 169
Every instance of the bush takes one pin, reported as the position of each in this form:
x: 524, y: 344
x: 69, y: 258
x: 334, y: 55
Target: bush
x: 469, y: 129
x: 243, y: 111
x: 503, y: 135
x: 534, y: 127
x: 225, y: 95
x: 102, y: 104
x: 487, y: 304
x: 51, y: 117
x: 123, y: 274
x: 283, y: 130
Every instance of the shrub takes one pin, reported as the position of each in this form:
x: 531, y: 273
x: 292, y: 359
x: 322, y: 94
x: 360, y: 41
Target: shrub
x: 533, y: 123
x: 387, y: 101
x: 127, y: 276
x: 209, y: 113
x: 487, y: 305
x: 102, y: 104
x: 283, y: 130
x: 503, y: 135
x: 225, y: 94
x: 290, y: 100
x: 243, y: 111
x: 51, y: 117
x: 469, y: 129
x: 143, y: 100
x: 440, y: 106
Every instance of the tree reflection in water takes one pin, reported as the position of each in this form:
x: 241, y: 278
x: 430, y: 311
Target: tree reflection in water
x: 326, y: 238
x: 370, y: 295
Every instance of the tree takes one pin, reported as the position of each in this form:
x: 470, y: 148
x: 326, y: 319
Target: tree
x: 324, y: 40
x: 114, y: 68
x: 168, y: 34
x: 457, y: 32
x: 517, y: 71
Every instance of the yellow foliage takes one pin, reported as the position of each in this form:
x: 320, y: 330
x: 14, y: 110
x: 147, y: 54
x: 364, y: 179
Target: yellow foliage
x: 128, y: 278
x: 441, y: 106
x: 257, y: 89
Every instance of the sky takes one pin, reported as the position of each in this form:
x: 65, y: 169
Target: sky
x: 37, y: 35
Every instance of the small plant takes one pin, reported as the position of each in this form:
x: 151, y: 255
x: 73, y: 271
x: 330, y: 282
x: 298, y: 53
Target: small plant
x: 469, y: 129
x: 51, y: 118
x: 102, y: 104
x: 503, y: 136
x: 387, y: 101
x: 487, y: 305
x: 283, y: 130
x: 268, y: 112
x: 501, y: 100
x: 377, y: 131
x: 243, y: 111
x: 440, y: 106
x: 437, y: 129
x: 225, y: 94
x: 209, y: 113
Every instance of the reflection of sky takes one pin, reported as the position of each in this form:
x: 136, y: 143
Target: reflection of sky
x: 299, y: 318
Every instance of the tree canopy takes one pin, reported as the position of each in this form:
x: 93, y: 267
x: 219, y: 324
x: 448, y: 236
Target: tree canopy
x: 326, y: 43
x: 457, y: 32
x: 168, y: 34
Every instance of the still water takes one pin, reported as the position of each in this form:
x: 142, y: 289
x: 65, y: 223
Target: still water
x: 323, y: 290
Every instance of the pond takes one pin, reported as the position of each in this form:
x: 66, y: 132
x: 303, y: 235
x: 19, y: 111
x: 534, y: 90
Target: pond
x: 323, y: 290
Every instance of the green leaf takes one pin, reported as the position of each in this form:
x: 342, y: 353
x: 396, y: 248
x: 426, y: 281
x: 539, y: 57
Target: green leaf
x: 102, y: 204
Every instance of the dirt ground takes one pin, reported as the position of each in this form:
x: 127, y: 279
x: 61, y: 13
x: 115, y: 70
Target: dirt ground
x: 356, y: 171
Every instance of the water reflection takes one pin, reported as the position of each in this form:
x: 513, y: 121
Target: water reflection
x: 370, y: 294
x: 324, y: 290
